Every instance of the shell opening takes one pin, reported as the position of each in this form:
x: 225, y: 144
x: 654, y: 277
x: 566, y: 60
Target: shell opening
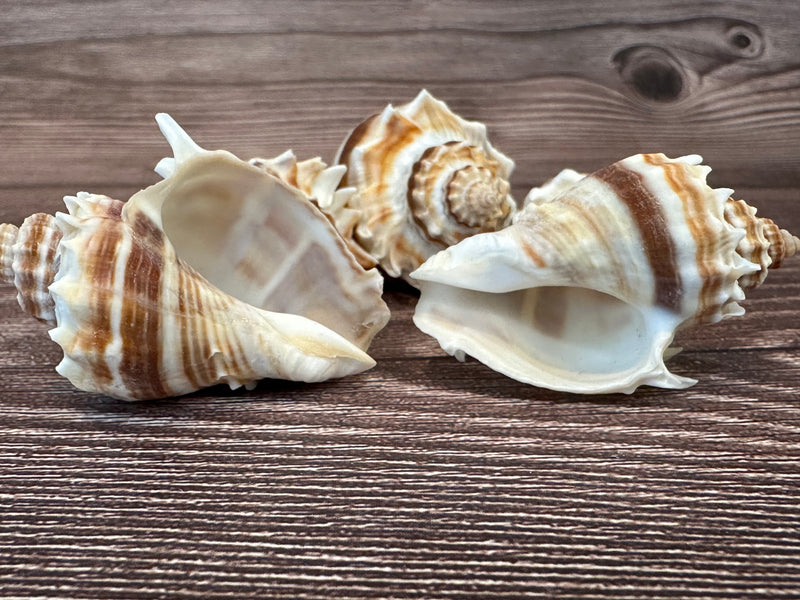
x: 238, y: 229
x: 263, y: 242
x: 566, y: 338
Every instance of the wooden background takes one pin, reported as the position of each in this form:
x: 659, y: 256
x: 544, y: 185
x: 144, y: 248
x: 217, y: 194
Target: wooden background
x: 424, y: 477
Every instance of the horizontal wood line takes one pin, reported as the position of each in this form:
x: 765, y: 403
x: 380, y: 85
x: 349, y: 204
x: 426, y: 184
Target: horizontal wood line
x: 470, y: 581
x: 657, y: 481
x: 634, y: 550
x: 292, y: 516
x: 249, y: 484
x: 724, y: 526
x: 312, y: 562
x: 490, y: 566
x: 421, y: 533
x: 716, y: 507
x: 315, y: 549
x: 444, y: 449
x: 507, y: 431
x: 392, y: 592
x: 483, y: 496
x: 459, y: 463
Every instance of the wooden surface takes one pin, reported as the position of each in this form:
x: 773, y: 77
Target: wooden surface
x: 424, y: 477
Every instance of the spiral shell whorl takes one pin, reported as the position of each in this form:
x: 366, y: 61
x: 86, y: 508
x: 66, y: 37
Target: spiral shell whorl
x: 456, y: 190
x: 8, y: 235
x: 763, y: 243
x: 424, y: 179
x: 29, y: 260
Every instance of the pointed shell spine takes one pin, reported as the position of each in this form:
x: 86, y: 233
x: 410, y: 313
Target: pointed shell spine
x: 763, y: 242
x: 29, y: 260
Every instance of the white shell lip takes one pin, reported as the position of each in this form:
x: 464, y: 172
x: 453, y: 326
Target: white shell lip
x: 270, y: 202
x: 472, y: 308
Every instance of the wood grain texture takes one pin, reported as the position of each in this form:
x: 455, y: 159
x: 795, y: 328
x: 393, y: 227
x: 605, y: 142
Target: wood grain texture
x: 424, y: 477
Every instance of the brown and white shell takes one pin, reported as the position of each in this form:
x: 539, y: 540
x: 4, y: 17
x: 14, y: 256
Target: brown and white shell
x: 221, y: 273
x: 585, y: 291
x: 424, y: 179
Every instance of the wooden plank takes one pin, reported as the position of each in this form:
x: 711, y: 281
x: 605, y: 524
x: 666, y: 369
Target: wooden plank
x: 55, y: 20
x: 556, y: 99
x: 423, y: 477
x: 749, y: 139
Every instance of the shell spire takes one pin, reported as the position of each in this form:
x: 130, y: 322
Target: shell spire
x: 423, y: 179
x: 585, y: 291
x: 29, y: 260
x: 764, y: 243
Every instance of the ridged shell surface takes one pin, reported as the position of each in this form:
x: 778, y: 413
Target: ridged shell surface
x: 584, y: 292
x: 424, y: 179
x: 221, y: 273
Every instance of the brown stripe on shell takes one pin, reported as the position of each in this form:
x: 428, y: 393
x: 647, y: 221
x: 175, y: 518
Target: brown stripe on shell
x: 34, y: 264
x: 186, y: 326
x: 590, y: 218
x: 777, y: 242
x: 659, y: 247
x: 411, y: 187
x: 99, y: 268
x: 692, y: 197
x: 534, y: 256
x: 113, y: 207
x: 140, y: 326
x: 380, y: 157
x: 8, y: 236
x: 352, y: 141
x: 751, y: 247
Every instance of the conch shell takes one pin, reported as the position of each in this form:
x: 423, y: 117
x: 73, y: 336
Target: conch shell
x: 223, y: 272
x: 584, y: 292
x: 425, y: 179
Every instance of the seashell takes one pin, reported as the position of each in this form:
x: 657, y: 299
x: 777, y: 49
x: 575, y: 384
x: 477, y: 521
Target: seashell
x: 221, y: 273
x: 585, y: 290
x: 425, y: 179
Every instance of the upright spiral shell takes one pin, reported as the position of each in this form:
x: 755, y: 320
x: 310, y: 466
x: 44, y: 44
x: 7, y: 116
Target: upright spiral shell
x: 424, y: 179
